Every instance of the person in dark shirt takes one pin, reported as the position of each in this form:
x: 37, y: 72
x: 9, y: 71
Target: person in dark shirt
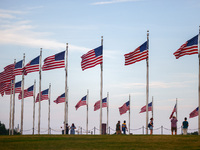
x: 185, y: 126
x: 118, y: 128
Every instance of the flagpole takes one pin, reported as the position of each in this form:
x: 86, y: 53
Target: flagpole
x: 66, y: 91
x: 49, y: 109
x: 22, y: 102
x: 199, y: 82
x: 147, y: 85
x: 129, y: 124
x: 176, y: 108
x: 10, y: 119
x: 107, y: 111
x: 87, y: 100
x: 152, y: 106
x: 40, y: 77
x: 101, y: 91
x: 13, y: 109
x: 34, y: 106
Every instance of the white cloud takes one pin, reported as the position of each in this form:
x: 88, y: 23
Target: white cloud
x: 21, y: 33
x: 9, y: 14
x: 113, y: 1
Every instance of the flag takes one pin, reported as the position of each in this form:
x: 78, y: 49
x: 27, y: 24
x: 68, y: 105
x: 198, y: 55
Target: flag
x: 32, y: 66
x: 60, y: 99
x: 54, y: 62
x: 81, y: 102
x: 92, y: 58
x: 124, y: 108
x: 2, y: 88
x: 27, y: 93
x: 7, y: 88
x: 17, y: 88
x: 97, y: 104
x: 143, y: 109
x: 194, y: 113
x: 174, y: 110
x: 18, y: 68
x: 138, y: 54
x: 44, y: 95
x: 188, y: 48
x: 7, y: 75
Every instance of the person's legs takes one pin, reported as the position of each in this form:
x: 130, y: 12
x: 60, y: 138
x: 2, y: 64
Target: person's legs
x: 176, y: 131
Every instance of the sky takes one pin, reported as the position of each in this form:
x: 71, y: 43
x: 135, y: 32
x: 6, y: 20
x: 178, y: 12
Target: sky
x: 27, y: 26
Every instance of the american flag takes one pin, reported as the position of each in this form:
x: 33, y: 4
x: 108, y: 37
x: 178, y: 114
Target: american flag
x: 138, y: 54
x: 7, y: 88
x: 7, y: 75
x: 17, y: 88
x: 54, y: 62
x: 92, y: 58
x: 27, y: 93
x: 194, y: 113
x: 81, y: 102
x: 124, y: 108
x: 32, y: 66
x: 60, y: 99
x: 174, y: 110
x: 97, y: 104
x: 2, y: 88
x: 18, y: 68
x: 44, y: 95
x: 143, y: 109
x: 188, y: 48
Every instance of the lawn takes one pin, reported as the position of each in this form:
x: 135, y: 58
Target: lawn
x: 67, y: 142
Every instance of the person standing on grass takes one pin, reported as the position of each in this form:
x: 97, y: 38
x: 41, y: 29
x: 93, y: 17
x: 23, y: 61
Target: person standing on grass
x: 67, y: 128
x: 72, y: 129
x: 174, y: 125
x: 118, y: 128
x: 124, y: 128
x: 151, y: 126
x: 62, y: 127
x: 185, y: 126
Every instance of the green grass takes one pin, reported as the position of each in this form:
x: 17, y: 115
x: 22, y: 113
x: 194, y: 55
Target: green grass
x: 67, y: 142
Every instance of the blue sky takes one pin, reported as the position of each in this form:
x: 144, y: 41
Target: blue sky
x: 27, y: 26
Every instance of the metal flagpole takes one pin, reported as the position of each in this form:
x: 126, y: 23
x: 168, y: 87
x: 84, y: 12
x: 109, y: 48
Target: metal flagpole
x: 147, y: 85
x: 66, y: 91
x: 101, y: 92
x: 107, y: 111
x: 87, y: 100
x: 199, y: 81
x: 129, y: 124
x: 49, y: 109
x: 22, y: 101
x: 10, y: 119
x: 34, y: 106
x: 40, y: 77
x: 176, y: 108
x: 13, y: 109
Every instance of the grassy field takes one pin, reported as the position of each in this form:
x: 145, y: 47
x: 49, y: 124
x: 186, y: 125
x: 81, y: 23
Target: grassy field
x: 51, y: 142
